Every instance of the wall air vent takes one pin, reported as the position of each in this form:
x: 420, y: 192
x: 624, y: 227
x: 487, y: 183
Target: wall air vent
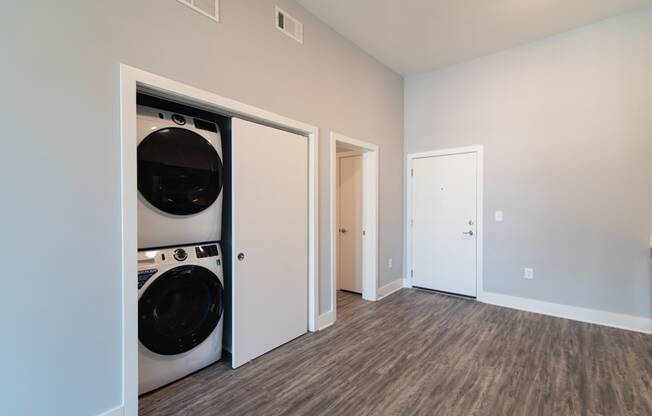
x: 289, y: 25
x: 209, y: 8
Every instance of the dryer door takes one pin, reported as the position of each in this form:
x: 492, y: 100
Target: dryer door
x: 179, y: 171
x: 179, y: 310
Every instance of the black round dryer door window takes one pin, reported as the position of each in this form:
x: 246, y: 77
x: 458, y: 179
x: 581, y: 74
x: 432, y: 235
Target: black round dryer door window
x: 179, y: 171
x: 179, y: 310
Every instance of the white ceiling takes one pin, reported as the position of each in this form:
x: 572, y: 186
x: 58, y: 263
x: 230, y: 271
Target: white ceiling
x: 412, y: 36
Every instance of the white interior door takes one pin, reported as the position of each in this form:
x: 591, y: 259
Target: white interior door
x: 270, y: 239
x: 350, y: 224
x: 444, y: 236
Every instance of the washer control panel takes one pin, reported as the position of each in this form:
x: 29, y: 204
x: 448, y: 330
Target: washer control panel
x: 150, y: 261
x: 144, y: 275
x: 207, y: 251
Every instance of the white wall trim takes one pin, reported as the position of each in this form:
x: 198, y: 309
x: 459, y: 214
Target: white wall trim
x: 350, y: 153
x: 390, y: 288
x: 133, y: 80
x: 116, y: 411
x: 576, y: 313
x: 326, y: 319
x: 370, y: 157
x: 128, y: 200
x: 479, y: 149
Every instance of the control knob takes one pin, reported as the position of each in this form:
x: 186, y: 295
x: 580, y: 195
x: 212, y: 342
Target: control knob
x: 180, y: 254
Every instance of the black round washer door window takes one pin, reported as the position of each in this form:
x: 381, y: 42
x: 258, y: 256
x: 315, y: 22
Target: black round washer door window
x: 179, y: 171
x: 179, y: 310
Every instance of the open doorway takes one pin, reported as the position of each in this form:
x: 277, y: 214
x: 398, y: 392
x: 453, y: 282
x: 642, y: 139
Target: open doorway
x: 354, y: 219
x: 350, y: 229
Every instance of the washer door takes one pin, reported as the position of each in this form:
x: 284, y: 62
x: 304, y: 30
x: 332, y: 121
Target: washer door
x: 179, y: 310
x: 179, y: 171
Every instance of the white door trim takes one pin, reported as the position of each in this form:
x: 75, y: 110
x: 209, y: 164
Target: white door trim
x: 133, y: 80
x: 479, y: 150
x: 369, y: 219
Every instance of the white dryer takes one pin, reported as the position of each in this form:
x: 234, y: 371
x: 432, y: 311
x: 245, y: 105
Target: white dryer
x: 180, y: 308
x: 180, y: 179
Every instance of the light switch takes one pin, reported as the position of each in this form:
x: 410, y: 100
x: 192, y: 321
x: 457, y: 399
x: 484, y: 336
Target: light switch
x: 528, y: 273
x: 499, y: 216
x: 390, y: 263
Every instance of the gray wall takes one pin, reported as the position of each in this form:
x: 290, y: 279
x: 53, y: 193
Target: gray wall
x: 567, y: 128
x: 60, y: 308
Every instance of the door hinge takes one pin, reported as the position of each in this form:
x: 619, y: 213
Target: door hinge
x: 412, y: 223
x: 412, y: 273
x: 411, y: 172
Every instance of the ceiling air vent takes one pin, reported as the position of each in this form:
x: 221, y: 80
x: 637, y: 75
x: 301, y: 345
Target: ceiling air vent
x: 289, y: 25
x: 209, y: 8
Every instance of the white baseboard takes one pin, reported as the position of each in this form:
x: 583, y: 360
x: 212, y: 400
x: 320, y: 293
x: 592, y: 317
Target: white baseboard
x: 389, y: 288
x: 116, y: 411
x: 325, y: 320
x: 576, y: 313
x: 407, y: 283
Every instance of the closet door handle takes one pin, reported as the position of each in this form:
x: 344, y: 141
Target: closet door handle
x: 468, y: 232
x: 241, y: 256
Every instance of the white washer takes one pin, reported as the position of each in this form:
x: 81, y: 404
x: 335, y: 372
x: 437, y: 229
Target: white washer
x: 180, y: 308
x: 180, y: 179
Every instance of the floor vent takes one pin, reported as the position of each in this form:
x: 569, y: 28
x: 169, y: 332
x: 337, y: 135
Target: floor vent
x: 289, y: 25
x: 209, y: 8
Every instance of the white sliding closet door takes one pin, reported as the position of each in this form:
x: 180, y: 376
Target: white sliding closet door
x: 270, y: 239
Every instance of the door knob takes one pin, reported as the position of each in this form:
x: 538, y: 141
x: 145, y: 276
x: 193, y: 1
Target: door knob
x: 343, y: 230
x: 468, y: 232
x: 241, y: 256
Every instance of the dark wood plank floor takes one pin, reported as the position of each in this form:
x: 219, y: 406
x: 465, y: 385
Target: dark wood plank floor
x: 419, y: 353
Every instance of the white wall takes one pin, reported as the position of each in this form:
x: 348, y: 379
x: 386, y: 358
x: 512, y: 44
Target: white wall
x: 60, y: 308
x: 567, y: 128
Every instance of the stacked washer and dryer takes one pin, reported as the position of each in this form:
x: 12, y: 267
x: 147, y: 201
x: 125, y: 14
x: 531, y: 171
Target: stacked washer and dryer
x: 180, y: 274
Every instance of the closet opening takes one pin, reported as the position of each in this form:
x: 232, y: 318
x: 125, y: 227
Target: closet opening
x: 194, y: 264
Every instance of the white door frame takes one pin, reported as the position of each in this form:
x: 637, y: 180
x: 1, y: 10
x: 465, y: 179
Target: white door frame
x: 133, y: 80
x: 370, y: 159
x: 479, y: 150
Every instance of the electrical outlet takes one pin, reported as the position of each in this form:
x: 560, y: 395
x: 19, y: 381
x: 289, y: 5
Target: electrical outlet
x: 499, y: 216
x: 528, y: 273
x: 389, y: 263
